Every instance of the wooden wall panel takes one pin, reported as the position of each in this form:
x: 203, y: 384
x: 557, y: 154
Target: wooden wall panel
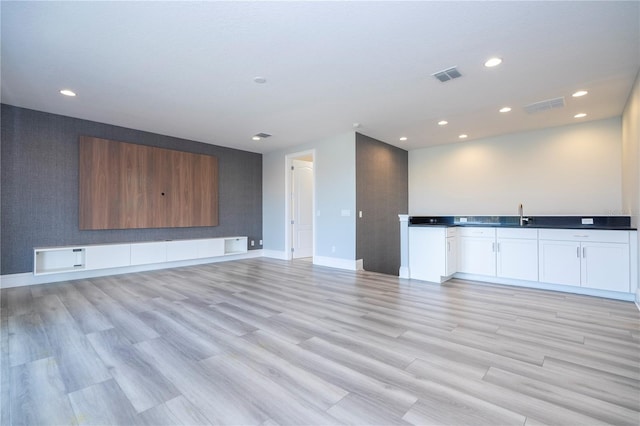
x: 124, y: 186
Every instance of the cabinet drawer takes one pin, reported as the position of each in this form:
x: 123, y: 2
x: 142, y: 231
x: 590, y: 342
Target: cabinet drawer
x: 476, y: 232
x: 523, y: 234
x: 603, y: 236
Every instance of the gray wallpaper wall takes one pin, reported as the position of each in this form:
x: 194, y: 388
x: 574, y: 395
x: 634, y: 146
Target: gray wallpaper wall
x: 382, y: 189
x: 39, y: 186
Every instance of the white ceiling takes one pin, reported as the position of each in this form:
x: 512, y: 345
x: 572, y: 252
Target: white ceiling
x: 186, y: 69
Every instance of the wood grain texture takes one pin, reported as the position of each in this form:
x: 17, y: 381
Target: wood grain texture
x: 127, y: 186
x: 266, y: 342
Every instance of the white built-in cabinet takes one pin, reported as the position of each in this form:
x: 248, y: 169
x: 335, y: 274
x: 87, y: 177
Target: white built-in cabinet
x: 593, y: 258
x: 477, y: 251
x: 590, y: 259
x: 517, y: 253
x: 432, y: 253
x: 52, y: 260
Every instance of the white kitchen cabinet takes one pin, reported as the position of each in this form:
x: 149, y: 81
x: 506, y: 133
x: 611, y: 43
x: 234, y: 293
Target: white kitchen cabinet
x: 431, y: 253
x: 593, y: 259
x: 451, y: 260
x: 605, y: 266
x: 517, y: 253
x: 559, y: 262
x: 477, y: 251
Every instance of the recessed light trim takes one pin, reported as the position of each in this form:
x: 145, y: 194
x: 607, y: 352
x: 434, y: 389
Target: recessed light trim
x: 443, y: 123
x: 579, y: 93
x: 256, y: 138
x: 68, y: 92
x: 580, y: 115
x: 505, y: 109
x: 463, y: 136
x: 403, y: 138
x: 493, y: 62
x: 259, y: 80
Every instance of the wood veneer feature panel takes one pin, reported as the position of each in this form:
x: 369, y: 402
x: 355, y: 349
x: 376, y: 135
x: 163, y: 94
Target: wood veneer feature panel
x: 125, y: 186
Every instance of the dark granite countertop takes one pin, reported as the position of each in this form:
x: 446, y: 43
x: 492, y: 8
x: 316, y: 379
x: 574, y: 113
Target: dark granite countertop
x: 622, y: 223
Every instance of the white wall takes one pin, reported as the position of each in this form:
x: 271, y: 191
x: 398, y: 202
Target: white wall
x: 335, y: 189
x: 631, y: 160
x: 568, y: 170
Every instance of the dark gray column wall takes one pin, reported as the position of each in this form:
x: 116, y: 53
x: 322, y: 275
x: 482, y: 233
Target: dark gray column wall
x: 39, y: 186
x: 382, y: 193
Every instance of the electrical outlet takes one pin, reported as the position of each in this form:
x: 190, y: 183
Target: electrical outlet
x: 260, y: 242
x: 253, y: 243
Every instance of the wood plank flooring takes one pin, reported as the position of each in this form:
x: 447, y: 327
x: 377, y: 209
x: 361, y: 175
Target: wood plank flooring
x: 268, y: 342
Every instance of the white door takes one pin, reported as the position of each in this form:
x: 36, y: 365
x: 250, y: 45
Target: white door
x: 605, y: 266
x: 559, y: 262
x: 477, y: 255
x: 302, y: 208
x: 518, y: 259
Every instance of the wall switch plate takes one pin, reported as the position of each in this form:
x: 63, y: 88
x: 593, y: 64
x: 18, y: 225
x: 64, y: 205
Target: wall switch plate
x: 587, y: 221
x: 360, y: 214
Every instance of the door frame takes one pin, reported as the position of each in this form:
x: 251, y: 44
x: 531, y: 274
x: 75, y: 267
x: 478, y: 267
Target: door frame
x: 309, y: 155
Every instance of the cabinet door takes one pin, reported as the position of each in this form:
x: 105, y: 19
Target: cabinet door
x: 605, y: 266
x: 518, y: 259
x: 108, y: 256
x: 427, y: 253
x: 477, y: 255
x: 452, y: 256
x: 559, y: 262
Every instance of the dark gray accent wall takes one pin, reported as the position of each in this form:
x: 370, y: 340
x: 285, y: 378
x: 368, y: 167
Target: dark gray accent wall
x: 39, y: 187
x: 382, y: 193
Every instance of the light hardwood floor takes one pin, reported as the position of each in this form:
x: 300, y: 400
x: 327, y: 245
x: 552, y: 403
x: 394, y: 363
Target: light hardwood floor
x: 270, y: 342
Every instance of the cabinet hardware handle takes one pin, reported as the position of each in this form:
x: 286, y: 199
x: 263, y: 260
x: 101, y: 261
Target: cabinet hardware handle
x: 578, y: 252
x: 498, y: 248
x: 584, y: 252
x: 493, y: 247
x: 581, y: 236
x: 448, y: 246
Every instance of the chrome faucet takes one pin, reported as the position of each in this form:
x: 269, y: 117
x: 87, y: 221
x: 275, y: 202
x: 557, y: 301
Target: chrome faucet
x: 522, y: 218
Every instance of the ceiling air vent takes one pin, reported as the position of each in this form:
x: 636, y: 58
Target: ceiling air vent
x: 448, y: 74
x: 545, y: 105
x: 263, y: 135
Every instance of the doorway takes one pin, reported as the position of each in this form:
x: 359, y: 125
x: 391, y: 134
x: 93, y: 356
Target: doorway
x: 300, y: 207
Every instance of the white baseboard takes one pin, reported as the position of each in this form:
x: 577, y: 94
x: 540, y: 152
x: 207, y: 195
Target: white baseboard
x: 546, y: 286
x: 334, y: 262
x: 27, y: 278
x: 275, y: 254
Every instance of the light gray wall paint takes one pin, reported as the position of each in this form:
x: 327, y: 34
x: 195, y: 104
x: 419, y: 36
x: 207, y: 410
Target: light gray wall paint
x: 39, y: 186
x: 335, y: 190
x: 567, y: 170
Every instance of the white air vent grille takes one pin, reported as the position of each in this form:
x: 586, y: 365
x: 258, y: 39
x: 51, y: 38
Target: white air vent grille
x: 263, y: 135
x: 545, y: 105
x: 448, y: 74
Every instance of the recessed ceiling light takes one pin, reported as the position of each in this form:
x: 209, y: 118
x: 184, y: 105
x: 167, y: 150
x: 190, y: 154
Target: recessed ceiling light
x: 260, y: 80
x: 579, y: 93
x: 443, y: 123
x: 463, y: 136
x: 505, y: 109
x: 580, y: 115
x: 256, y: 138
x: 67, y: 92
x: 492, y: 62
x: 404, y: 138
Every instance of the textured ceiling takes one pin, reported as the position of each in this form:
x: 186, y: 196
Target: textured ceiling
x: 186, y: 69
